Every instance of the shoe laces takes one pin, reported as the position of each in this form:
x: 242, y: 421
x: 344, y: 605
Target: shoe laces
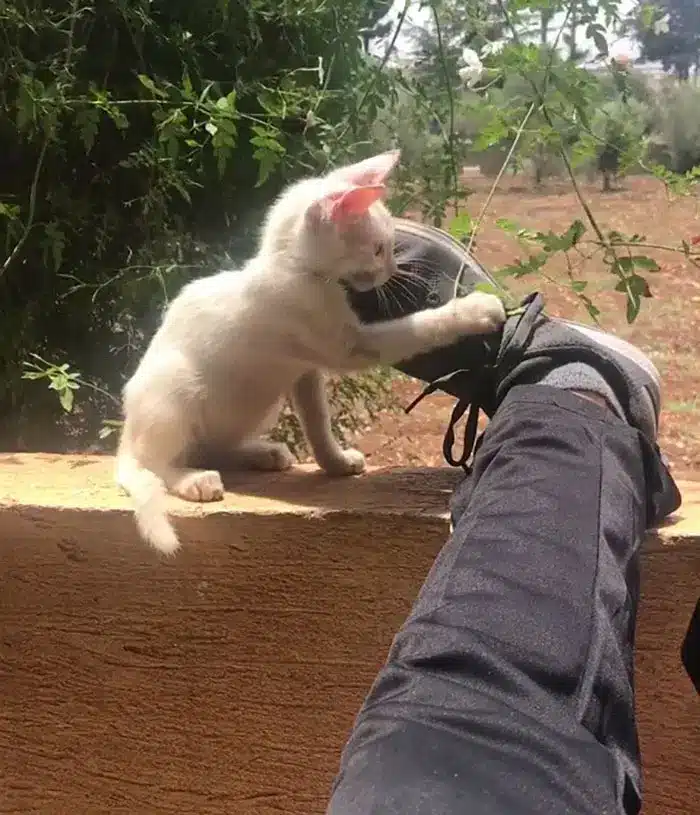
x: 483, y: 383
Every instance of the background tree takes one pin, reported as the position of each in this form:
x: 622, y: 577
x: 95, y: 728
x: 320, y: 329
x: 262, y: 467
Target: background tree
x: 139, y: 142
x: 668, y: 31
x: 376, y: 25
x: 677, y: 128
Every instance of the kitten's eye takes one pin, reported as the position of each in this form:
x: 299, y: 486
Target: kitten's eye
x: 378, y: 250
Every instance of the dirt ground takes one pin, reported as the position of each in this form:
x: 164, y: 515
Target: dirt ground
x: 668, y: 327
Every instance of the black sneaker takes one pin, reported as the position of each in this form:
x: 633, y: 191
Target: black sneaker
x: 430, y: 261
x: 479, y: 371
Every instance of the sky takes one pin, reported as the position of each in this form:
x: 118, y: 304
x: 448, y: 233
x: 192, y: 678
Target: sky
x: 418, y: 17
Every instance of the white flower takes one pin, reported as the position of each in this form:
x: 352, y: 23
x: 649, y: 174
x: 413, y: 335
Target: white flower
x: 492, y: 48
x: 472, y: 68
x: 661, y: 26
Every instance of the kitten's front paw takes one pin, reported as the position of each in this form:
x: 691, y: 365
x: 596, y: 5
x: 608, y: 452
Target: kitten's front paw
x: 480, y: 312
x: 350, y: 462
x: 201, y: 486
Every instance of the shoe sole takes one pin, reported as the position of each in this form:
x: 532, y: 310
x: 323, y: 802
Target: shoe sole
x: 430, y: 233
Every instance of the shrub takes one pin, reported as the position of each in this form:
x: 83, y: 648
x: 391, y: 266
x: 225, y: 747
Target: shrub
x: 677, y: 123
x: 139, y: 143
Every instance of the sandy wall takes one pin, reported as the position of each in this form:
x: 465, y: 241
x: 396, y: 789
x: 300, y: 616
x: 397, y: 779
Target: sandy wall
x: 225, y: 680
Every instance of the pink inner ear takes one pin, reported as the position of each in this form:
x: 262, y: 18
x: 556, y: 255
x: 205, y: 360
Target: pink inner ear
x: 372, y: 171
x: 353, y: 202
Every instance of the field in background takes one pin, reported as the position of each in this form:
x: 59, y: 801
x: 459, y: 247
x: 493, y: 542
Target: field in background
x: 668, y: 327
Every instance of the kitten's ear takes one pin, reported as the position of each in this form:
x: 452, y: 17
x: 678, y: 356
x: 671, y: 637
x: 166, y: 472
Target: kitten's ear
x: 370, y: 172
x: 355, y: 201
x: 341, y: 206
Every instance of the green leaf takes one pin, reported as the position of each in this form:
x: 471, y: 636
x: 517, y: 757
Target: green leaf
x: 507, y: 225
x: 643, y: 262
x: 593, y: 310
x: 226, y: 124
x: 623, y: 264
x: 268, y: 160
x: 87, y: 120
x: 109, y: 427
x: 150, y: 85
x: 222, y: 153
x: 224, y: 139
x: 54, y: 242
x: 26, y: 109
x: 572, y: 235
x: 635, y: 287
x: 117, y: 116
x: 9, y: 211
x: 461, y: 226
x: 268, y: 143
x: 66, y: 398
x: 187, y: 88
x: 647, y: 15
x: 205, y: 92
x: 596, y: 32
x: 491, y: 134
x: 633, y: 307
x: 525, y: 267
x: 638, y: 285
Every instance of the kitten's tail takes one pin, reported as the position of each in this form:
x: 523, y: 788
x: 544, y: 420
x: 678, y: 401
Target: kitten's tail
x: 148, y: 493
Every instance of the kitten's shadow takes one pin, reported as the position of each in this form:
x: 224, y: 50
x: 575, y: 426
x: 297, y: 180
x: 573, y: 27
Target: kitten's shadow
x: 415, y: 491
x: 412, y: 491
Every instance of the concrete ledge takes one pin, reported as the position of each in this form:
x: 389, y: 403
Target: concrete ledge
x: 86, y: 483
x: 225, y: 680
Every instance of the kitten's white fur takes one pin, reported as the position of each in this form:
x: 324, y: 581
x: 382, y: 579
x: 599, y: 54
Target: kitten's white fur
x: 231, y: 346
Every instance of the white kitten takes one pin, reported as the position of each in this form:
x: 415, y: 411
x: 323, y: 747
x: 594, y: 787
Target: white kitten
x: 231, y: 346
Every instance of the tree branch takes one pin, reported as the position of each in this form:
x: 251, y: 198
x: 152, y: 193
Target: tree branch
x: 32, y: 210
x: 451, y: 102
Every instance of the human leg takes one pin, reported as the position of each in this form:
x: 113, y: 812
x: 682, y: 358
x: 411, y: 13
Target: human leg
x: 510, y: 688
